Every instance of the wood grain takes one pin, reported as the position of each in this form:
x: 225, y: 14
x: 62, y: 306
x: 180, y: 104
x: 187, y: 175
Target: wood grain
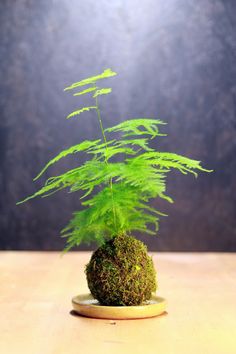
x: 37, y: 318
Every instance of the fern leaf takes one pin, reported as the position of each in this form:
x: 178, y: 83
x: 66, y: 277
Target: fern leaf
x: 66, y: 180
x: 47, y: 189
x: 169, y: 160
x: 141, y: 143
x: 104, y: 91
x: 148, y: 180
x: 97, y: 220
x: 139, y: 126
x: 82, y: 229
x: 79, y: 111
x: 85, y: 145
x: 90, y: 80
x: 107, y: 152
x: 90, y: 175
x: 90, y: 89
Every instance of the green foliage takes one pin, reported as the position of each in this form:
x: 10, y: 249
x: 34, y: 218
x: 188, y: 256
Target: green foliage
x: 90, y: 89
x: 140, y: 126
x: 103, y: 91
x: 84, y: 146
x: 116, y: 193
x: 81, y: 110
x: 92, y: 80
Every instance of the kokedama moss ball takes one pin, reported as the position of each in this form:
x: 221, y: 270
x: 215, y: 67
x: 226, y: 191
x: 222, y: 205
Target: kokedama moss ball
x: 121, y: 272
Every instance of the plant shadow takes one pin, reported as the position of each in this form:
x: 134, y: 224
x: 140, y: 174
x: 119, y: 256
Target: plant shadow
x: 113, y: 321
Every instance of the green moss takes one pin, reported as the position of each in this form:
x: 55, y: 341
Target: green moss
x: 120, y: 272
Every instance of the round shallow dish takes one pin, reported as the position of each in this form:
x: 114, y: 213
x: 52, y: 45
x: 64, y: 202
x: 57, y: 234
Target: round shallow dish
x: 86, y: 305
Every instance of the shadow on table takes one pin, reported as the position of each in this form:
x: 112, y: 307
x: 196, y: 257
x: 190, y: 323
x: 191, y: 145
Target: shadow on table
x: 113, y: 322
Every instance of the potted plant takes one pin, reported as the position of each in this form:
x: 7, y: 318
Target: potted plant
x: 122, y: 173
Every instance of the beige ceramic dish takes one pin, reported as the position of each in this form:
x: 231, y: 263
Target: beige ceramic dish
x: 86, y: 305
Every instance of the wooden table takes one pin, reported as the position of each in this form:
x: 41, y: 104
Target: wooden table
x: 36, y: 318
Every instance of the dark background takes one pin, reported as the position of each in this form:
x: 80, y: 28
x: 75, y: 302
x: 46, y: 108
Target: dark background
x: 176, y: 61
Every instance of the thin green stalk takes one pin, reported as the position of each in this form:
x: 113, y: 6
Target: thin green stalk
x: 100, y: 122
x: 106, y: 161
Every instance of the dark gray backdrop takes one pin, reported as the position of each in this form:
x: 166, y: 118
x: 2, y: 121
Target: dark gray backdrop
x: 176, y: 61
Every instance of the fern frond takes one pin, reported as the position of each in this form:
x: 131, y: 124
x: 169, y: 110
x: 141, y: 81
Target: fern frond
x: 150, y: 181
x: 141, y: 143
x: 121, y: 146
x: 91, y: 174
x: 90, y: 80
x: 104, y: 91
x: 107, y: 152
x: 79, y: 111
x: 96, y: 222
x: 46, y: 189
x: 80, y: 229
x: 84, y: 146
x: 139, y: 126
x: 90, y: 89
x: 169, y: 160
x: 66, y: 180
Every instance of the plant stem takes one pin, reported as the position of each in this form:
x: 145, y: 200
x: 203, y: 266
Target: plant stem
x: 106, y: 161
x: 101, y: 125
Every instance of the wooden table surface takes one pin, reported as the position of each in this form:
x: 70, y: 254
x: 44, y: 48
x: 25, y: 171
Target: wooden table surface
x: 36, y: 318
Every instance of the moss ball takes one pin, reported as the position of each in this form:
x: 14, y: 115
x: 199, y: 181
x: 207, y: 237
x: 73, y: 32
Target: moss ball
x: 121, y: 272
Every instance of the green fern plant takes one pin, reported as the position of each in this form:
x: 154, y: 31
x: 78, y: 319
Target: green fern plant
x: 121, y: 204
